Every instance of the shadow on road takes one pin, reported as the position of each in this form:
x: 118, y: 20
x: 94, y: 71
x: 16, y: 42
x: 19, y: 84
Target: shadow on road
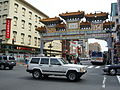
x: 49, y: 79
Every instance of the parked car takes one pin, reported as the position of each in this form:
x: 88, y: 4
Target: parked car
x: 112, y: 69
x: 7, y: 61
x: 45, y: 66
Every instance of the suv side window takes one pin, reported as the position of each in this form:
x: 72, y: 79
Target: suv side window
x: 0, y: 57
x: 54, y: 61
x: 35, y: 60
x: 44, y: 61
x: 4, y: 57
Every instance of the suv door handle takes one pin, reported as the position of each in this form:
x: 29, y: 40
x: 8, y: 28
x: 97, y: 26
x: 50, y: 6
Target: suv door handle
x: 40, y: 65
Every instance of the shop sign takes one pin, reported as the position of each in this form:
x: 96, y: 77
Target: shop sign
x: 23, y: 48
x: 8, y: 27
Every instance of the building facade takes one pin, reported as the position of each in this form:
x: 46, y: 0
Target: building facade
x: 115, y: 14
x: 18, y: 23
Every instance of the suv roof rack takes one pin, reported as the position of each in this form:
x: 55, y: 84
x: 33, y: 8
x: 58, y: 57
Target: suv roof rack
x: 41, y: 55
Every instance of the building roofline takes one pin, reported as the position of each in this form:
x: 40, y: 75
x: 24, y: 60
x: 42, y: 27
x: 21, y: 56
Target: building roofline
x: 34, y: 8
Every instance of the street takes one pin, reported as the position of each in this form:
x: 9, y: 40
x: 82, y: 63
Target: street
x: 94, y: 79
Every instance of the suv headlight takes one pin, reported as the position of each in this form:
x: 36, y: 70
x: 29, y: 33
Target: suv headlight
x: 82, y: 69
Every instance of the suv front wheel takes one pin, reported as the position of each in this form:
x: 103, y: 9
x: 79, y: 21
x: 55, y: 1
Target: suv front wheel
x: 37, y: 74
x: 3, y: 67
x: 72, y: 76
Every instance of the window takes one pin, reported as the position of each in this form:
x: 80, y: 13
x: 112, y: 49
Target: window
x: 29, y: 40
x: 23, y: 24
x: 22, y: 38
x: 38, y: 41
x: 5, y: 5
x: 44, y: 61
x: 39, y: 20
x: 54, y: 61
x: 0, y: 19
x: 117, y: 20
x: 36, y: 18
x: 3, y: 34
x: 35, y: 29
x: 35, y: 60
x: 11, y: 58
x: 0, y: 6
x: 30, y: 15
x: 4, y: 57
x: 35, y: 41
x: 29, y: 26
x: 4, y: 19
x: 15, y: 21
x: 16, y: 7
x: 14, y: 35
x: 23, y: 11
x: 1, y: 58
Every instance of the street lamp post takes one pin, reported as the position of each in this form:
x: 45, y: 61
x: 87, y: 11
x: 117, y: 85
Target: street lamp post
x: 50, y: 46
x: 13, y: 45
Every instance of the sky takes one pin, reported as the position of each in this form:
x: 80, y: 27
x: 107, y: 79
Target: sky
x: 53, y: 8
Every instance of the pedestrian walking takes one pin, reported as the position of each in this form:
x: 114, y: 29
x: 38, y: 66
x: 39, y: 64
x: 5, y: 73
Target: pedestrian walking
x: 78, y: 60
x: 68, y: 58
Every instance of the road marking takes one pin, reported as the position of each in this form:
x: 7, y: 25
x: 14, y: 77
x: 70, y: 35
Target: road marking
x: 97, y: 67
x: 90, y: 66
x: 118, y: 78
x: 104, y: 80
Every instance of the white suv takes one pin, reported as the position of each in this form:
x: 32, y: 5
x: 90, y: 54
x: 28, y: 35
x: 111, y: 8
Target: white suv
x: 45, y: 66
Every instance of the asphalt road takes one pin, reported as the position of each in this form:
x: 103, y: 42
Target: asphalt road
x: 94, y: 79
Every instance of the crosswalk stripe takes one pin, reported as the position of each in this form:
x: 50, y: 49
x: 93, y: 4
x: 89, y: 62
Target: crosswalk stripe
x: 90, y: 66
x: 118, y: 78
x: 93, y: 67
x: 97, y: 67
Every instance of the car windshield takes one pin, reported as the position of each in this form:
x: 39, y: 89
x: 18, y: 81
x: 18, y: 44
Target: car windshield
x: 63, y: 61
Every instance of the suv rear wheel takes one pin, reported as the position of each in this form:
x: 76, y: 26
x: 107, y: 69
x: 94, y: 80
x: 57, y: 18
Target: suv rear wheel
x: 72, y: 76
x: 37, y: 74
x: 112, y: 71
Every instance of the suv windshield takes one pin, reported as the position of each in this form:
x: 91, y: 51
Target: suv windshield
x: 11, y: 58
x: 63, y: 60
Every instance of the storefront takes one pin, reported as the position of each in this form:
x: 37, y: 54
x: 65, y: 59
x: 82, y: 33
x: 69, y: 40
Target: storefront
x: 19, y: 52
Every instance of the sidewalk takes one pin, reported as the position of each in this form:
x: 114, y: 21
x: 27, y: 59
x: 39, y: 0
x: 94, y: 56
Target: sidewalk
x: 20, y: 64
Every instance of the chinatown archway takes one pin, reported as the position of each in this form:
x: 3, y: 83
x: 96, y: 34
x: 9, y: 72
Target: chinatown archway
x: 74, y: 28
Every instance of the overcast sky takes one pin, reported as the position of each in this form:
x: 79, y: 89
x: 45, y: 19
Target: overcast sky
x: 55, y: 7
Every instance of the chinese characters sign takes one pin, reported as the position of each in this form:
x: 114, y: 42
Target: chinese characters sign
x: 8, y: 27
x: 72, y: 25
